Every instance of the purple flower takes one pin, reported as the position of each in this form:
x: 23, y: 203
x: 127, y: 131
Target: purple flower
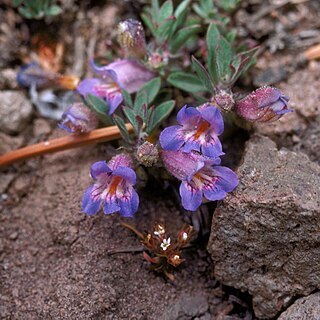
x: 113, y: 188
x: 266, y: 104
x: 125, y: 74
x: 200, y: 177
x: 32, y: 73
x: 198, y: 130
x: 78, y: 118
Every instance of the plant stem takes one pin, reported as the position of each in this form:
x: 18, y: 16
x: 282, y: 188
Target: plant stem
x: 133, y: 229
x: 60, y: 144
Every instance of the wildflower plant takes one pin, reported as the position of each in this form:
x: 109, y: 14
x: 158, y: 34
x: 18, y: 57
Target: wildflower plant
x: 164, y: 252
x: 184, y: 59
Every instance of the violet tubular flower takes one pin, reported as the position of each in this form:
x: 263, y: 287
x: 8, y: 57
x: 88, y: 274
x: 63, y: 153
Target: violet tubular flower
x: 78, y: 118
x: 198, y: 130
x: 113, y: 188
x: 266, y: 104
x: 200, y: 177
x: 125, y: 74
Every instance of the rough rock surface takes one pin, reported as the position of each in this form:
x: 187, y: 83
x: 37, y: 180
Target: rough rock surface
x: 309, y: 141
x: 15, y: 111
x: 306, y: 308
x: 187, y: 307
x: 265, y: 237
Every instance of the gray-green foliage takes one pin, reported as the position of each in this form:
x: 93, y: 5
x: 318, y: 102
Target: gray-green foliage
x: 37, y: 9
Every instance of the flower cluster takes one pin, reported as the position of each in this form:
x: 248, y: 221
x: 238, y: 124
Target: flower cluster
x: 191, y: 152
x: 164, y: 251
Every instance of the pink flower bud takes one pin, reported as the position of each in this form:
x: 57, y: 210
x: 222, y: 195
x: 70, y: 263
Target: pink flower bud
x: 78, y: 118
x: 131, y: 38
x: 266, y: 104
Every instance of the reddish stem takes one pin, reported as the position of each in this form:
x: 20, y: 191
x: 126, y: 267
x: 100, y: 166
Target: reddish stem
x: 60, y: 144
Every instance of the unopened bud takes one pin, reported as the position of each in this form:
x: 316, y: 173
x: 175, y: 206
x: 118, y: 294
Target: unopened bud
x: 266, y: 104
x: 157, y: 60
x: 131, y: 38
x: 159, y: 229
x: 78, y: 118
x: 223, y: 100
x: 148, y: 154
x: 184, y: 235
x: 175, y: 260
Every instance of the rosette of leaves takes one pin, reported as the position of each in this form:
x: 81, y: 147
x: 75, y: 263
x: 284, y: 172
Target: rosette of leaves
x: 225, y: 64
x: 169, y: 26
x: 37, y: 9
x: 145, y: 113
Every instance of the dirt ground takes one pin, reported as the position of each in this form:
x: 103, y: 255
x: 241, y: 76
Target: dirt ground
x: 58, y: 263
x: 55, y: 261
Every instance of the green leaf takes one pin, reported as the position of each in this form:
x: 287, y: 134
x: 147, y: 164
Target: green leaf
x: 202, y: 74
x: 166, y: 10
x: 242, y: 62
x: 180, y: 14
x: 149, y: 24
x: 231, y: 36
x: 127, y: 98
x: 182, y: 36
x: 212, y: 38
x: 53, y: 10
x: 155, y: 10
x: 147, y: 94
x: 199, y: 11
x: 129, y: 113
x: 223, y: 57
x: 100, y: 107
x: 16, y: 3
x: 186, y: 81
x: 181, y: 8
x: 26, y: 13
x: 122, y: 128
x: 159, y: 114
x: 207, y: 5
x: 165, y: 30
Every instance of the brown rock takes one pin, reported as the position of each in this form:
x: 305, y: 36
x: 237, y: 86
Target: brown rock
x: 265, y: 237
x: 8, y: 143
x: 41, y: 128
x: 306, y: 308
x: 15, y: 111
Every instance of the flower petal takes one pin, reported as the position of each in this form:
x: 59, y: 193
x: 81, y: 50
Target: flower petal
x: 228, y: 180
x: 212, y: 149
x: 170, y: 138
x: 114, y: 99
x: 214, y: 117
x: 188, y: 115
x: 126, y: 173
x: 191, y: 198
x: 214, y: 194
x: 98, y: 168
x: 110, y: 205
x: 129, y: 204
x: 87, y: 86
x: 266, y: 96
x: 89, y: 205
x: 127, y: 73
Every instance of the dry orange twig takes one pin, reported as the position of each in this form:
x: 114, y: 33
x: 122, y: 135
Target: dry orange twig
x: 313, y: 52
x: 60, y: 144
